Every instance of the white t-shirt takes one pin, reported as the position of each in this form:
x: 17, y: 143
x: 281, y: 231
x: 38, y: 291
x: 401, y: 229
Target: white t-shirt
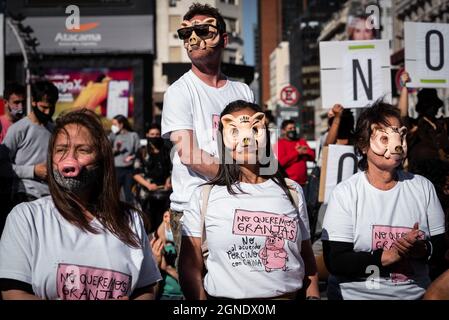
x: 254, y: 240
x: 372, y: 219
x: 190, y: 104
x: 60, y: 261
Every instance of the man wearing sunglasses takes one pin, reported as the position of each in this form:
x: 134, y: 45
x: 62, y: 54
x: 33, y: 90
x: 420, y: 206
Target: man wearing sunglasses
x: 193, y: 103
x: 14, y: 104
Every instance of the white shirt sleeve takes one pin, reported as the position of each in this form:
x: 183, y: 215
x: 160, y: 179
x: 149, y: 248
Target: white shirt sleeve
x: 177, y: 111
x: 191, y: 219
x: 435, y: 213
x: 16, y: 246
x: 303, y: 215
x: 337, y: 224
x: 149, y: 272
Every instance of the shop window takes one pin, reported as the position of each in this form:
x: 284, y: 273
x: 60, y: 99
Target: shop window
x: 175, y: 54
x: 174, y: 22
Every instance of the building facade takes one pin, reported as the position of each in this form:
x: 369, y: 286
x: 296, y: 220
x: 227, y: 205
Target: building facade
x: 279, y: 74
x: 304, y: 57
x: 104, y: 62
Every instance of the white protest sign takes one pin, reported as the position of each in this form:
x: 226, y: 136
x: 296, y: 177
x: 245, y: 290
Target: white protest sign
x: 341, y: 164
x: 354, y: 73
x: 427, y: 54
x: 118, y: 98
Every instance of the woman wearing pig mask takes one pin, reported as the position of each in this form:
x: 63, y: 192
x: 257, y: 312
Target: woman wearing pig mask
x: 382, y: 225
x: 255, y: 221
x: 58, y: 247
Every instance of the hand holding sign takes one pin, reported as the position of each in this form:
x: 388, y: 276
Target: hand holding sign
x: 336, y: 111
x: 405, y: 78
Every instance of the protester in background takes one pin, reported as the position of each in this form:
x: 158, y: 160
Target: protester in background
x: 164, y: 250
x: 14, y: 99
x: 293, y: 153
x: 152, y: 171
x: 437, y: 171
x: 125, y: 144
x: 341, y: 126
x: 82, y: 231
x: 192, y: 106
x: 428, y: 136
x: 14, y: 104
x: 382, y: 219
x: 275, y: 261
x: 27, y: 144
x: 271, y: 125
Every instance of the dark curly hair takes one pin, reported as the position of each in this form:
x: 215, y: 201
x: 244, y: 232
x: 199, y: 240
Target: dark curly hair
x: 206, y: 10
x: 378, y: 113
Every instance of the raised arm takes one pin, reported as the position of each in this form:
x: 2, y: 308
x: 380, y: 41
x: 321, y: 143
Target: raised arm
x: 332, y: 135
x: 192, y: 156
x: 403, y: 98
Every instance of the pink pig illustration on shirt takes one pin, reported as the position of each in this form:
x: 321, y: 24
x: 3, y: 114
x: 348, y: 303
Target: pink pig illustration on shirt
x: 273, y: 254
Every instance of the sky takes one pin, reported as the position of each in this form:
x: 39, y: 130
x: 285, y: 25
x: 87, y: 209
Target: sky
x: 249, y: 19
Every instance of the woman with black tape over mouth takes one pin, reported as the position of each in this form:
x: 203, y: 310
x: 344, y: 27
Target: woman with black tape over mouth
x: 51, y: 247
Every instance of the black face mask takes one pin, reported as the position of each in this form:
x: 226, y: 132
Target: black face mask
x: 157, y: 142
x: 42, y: 117
x: 85, y: 179
x: 292, y: 134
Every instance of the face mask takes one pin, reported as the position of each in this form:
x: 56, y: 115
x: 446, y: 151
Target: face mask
x: 115, y: 129
x: 169, y: 235
x: 292, y: 134
x: 86, y: 178
x: 16, y: 113
x: 42, y: 117
x: 389, y: 142
x: 157, y: 142
x: 244, y: 134
x: 199, y: 34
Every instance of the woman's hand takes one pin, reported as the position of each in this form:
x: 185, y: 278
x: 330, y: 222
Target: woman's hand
x: 156, y: 246
x: 150, y: 186
x: 405, y: 77
x: 390, y: 257
x: 410, y: 245
x: 129, y: 158
x: 168, y: 185
x: 337, y: 110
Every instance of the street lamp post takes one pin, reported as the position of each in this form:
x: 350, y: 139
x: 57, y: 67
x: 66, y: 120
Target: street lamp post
x: 26, y: 64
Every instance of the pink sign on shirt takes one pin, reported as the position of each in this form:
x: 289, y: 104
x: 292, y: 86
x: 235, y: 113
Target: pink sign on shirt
x: 384, y: 236
x: 76, y: 282
x: 255, y: 223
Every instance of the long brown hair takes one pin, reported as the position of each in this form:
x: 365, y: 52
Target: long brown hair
x: 104, y: 203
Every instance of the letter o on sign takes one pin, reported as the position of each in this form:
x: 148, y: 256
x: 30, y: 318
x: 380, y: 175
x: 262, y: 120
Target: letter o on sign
x: 289, y: 95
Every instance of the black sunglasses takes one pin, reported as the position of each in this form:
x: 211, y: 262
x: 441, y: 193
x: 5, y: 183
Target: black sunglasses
x: 201, y: 30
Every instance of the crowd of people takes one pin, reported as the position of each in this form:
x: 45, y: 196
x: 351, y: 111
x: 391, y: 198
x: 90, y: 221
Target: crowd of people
x: 218, y: 210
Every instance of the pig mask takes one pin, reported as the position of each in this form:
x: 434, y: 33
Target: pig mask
x: 199, y: 34
x: 244, y: 133
x: 389, y: 142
